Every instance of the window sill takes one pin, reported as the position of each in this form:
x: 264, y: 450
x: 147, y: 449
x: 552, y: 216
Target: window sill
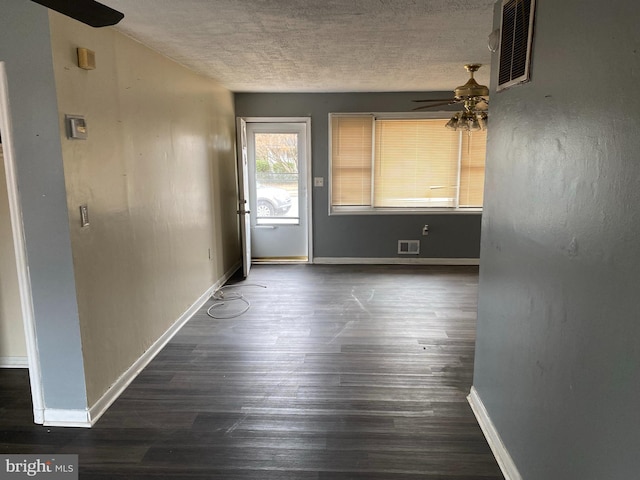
x: 404, y: 211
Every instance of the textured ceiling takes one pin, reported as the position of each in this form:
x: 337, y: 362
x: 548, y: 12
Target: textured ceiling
x: 317, y: 45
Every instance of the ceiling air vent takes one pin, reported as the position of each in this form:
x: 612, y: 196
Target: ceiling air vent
x: 515, y: 42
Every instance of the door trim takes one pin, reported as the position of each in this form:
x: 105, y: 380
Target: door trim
x: 243, y: 194
x: 307, y: 122
x: 24, y: 281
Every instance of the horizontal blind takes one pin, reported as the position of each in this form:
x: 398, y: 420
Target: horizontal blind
x: 416, y: 163
x: 351, y: 152
x: 472, y: 168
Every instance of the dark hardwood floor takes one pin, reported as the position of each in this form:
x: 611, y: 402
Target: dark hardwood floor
x: 335, y: 373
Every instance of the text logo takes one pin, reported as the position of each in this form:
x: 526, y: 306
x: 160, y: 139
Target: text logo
x: 51, y: 467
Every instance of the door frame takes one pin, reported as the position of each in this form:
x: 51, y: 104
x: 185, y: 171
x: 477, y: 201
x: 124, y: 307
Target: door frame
x: 243, y: 196
x: 24, y: 280
x: 309, y: 164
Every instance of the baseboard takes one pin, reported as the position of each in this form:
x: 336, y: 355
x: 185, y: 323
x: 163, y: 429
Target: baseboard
x: 505, y: 462
x: 54, y: 417
x: 110, y: 396
x: 395, y: 261
x: 14, y: 362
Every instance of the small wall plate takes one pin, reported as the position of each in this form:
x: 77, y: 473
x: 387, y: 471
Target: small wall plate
x: 86, y: 59
x: 76, y: 127
x: 84, y: 215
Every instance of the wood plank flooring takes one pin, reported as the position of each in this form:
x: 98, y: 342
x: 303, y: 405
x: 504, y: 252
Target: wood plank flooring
x: 334, y: 373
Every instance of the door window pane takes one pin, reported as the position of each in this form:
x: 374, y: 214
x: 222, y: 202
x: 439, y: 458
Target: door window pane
x: 277, y: 178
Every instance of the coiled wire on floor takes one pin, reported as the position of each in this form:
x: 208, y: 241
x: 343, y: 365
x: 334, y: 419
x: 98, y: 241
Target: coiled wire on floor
x: 224, y: 296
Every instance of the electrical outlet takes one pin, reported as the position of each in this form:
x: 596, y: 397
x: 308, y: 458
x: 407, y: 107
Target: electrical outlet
x: 425, y: 230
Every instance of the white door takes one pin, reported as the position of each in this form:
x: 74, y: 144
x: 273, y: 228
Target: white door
x: 278, y: 190
x: 243, y: 198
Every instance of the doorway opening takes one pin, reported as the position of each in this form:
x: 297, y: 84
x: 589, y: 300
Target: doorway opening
x: 275, y: 164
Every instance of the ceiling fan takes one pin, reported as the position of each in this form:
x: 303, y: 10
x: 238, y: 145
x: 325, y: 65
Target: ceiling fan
x: 90, y: 12
x: 473, y: 98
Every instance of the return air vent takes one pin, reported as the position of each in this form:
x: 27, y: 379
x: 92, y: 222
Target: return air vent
x: 516, y: 36
x: 408, y: 247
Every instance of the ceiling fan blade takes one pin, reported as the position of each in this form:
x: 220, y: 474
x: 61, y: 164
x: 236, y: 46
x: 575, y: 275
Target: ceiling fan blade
x: 452, y: 100
x: 434, y: 105
x: 90, y: 12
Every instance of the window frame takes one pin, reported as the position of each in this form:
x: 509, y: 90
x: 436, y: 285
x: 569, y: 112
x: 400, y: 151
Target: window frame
x: 371, y: 209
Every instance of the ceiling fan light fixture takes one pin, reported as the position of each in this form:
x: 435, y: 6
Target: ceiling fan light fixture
x: 465, y: 123
x: 468, y: 121
x: 482, y: 120
x: 452, y: 124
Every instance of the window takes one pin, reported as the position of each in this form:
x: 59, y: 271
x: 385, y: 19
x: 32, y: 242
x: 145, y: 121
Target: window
x: 389, y: 163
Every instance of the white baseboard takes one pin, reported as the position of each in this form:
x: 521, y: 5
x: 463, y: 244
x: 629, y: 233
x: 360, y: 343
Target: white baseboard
x: 110, y: 396
x: 505, y: 462
x: 395, y: 261
x: 14, y: 362
x: 55, y: 417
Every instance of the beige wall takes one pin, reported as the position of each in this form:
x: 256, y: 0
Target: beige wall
x: 158, y: 175
x: 12, y: 342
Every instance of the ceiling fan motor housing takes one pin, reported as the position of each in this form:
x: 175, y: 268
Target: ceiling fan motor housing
x: 472, y: 95
x: 471, y: 88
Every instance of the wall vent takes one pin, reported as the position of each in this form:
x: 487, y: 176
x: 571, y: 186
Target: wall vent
x: 408, y: 247
x: 516, y: 37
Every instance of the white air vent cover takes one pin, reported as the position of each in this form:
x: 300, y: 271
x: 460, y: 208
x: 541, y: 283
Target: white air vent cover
x: 516, y: 35
x: 408, y: 247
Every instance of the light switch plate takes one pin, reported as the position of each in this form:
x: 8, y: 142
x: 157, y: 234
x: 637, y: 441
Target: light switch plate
x: 76, y: 127
x: 84, y: 215
x: 318, y: 181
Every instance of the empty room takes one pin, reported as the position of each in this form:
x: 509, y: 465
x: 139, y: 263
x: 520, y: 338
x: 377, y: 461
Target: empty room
x: 276, y: 239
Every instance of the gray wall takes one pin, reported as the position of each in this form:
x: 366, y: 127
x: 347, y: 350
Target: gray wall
x: 26, y: 50
x: 366, y: 236
x: 557, y: 357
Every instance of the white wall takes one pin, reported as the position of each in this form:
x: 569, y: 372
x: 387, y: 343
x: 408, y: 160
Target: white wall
x: 12, y: 343
x: 158, y: 175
